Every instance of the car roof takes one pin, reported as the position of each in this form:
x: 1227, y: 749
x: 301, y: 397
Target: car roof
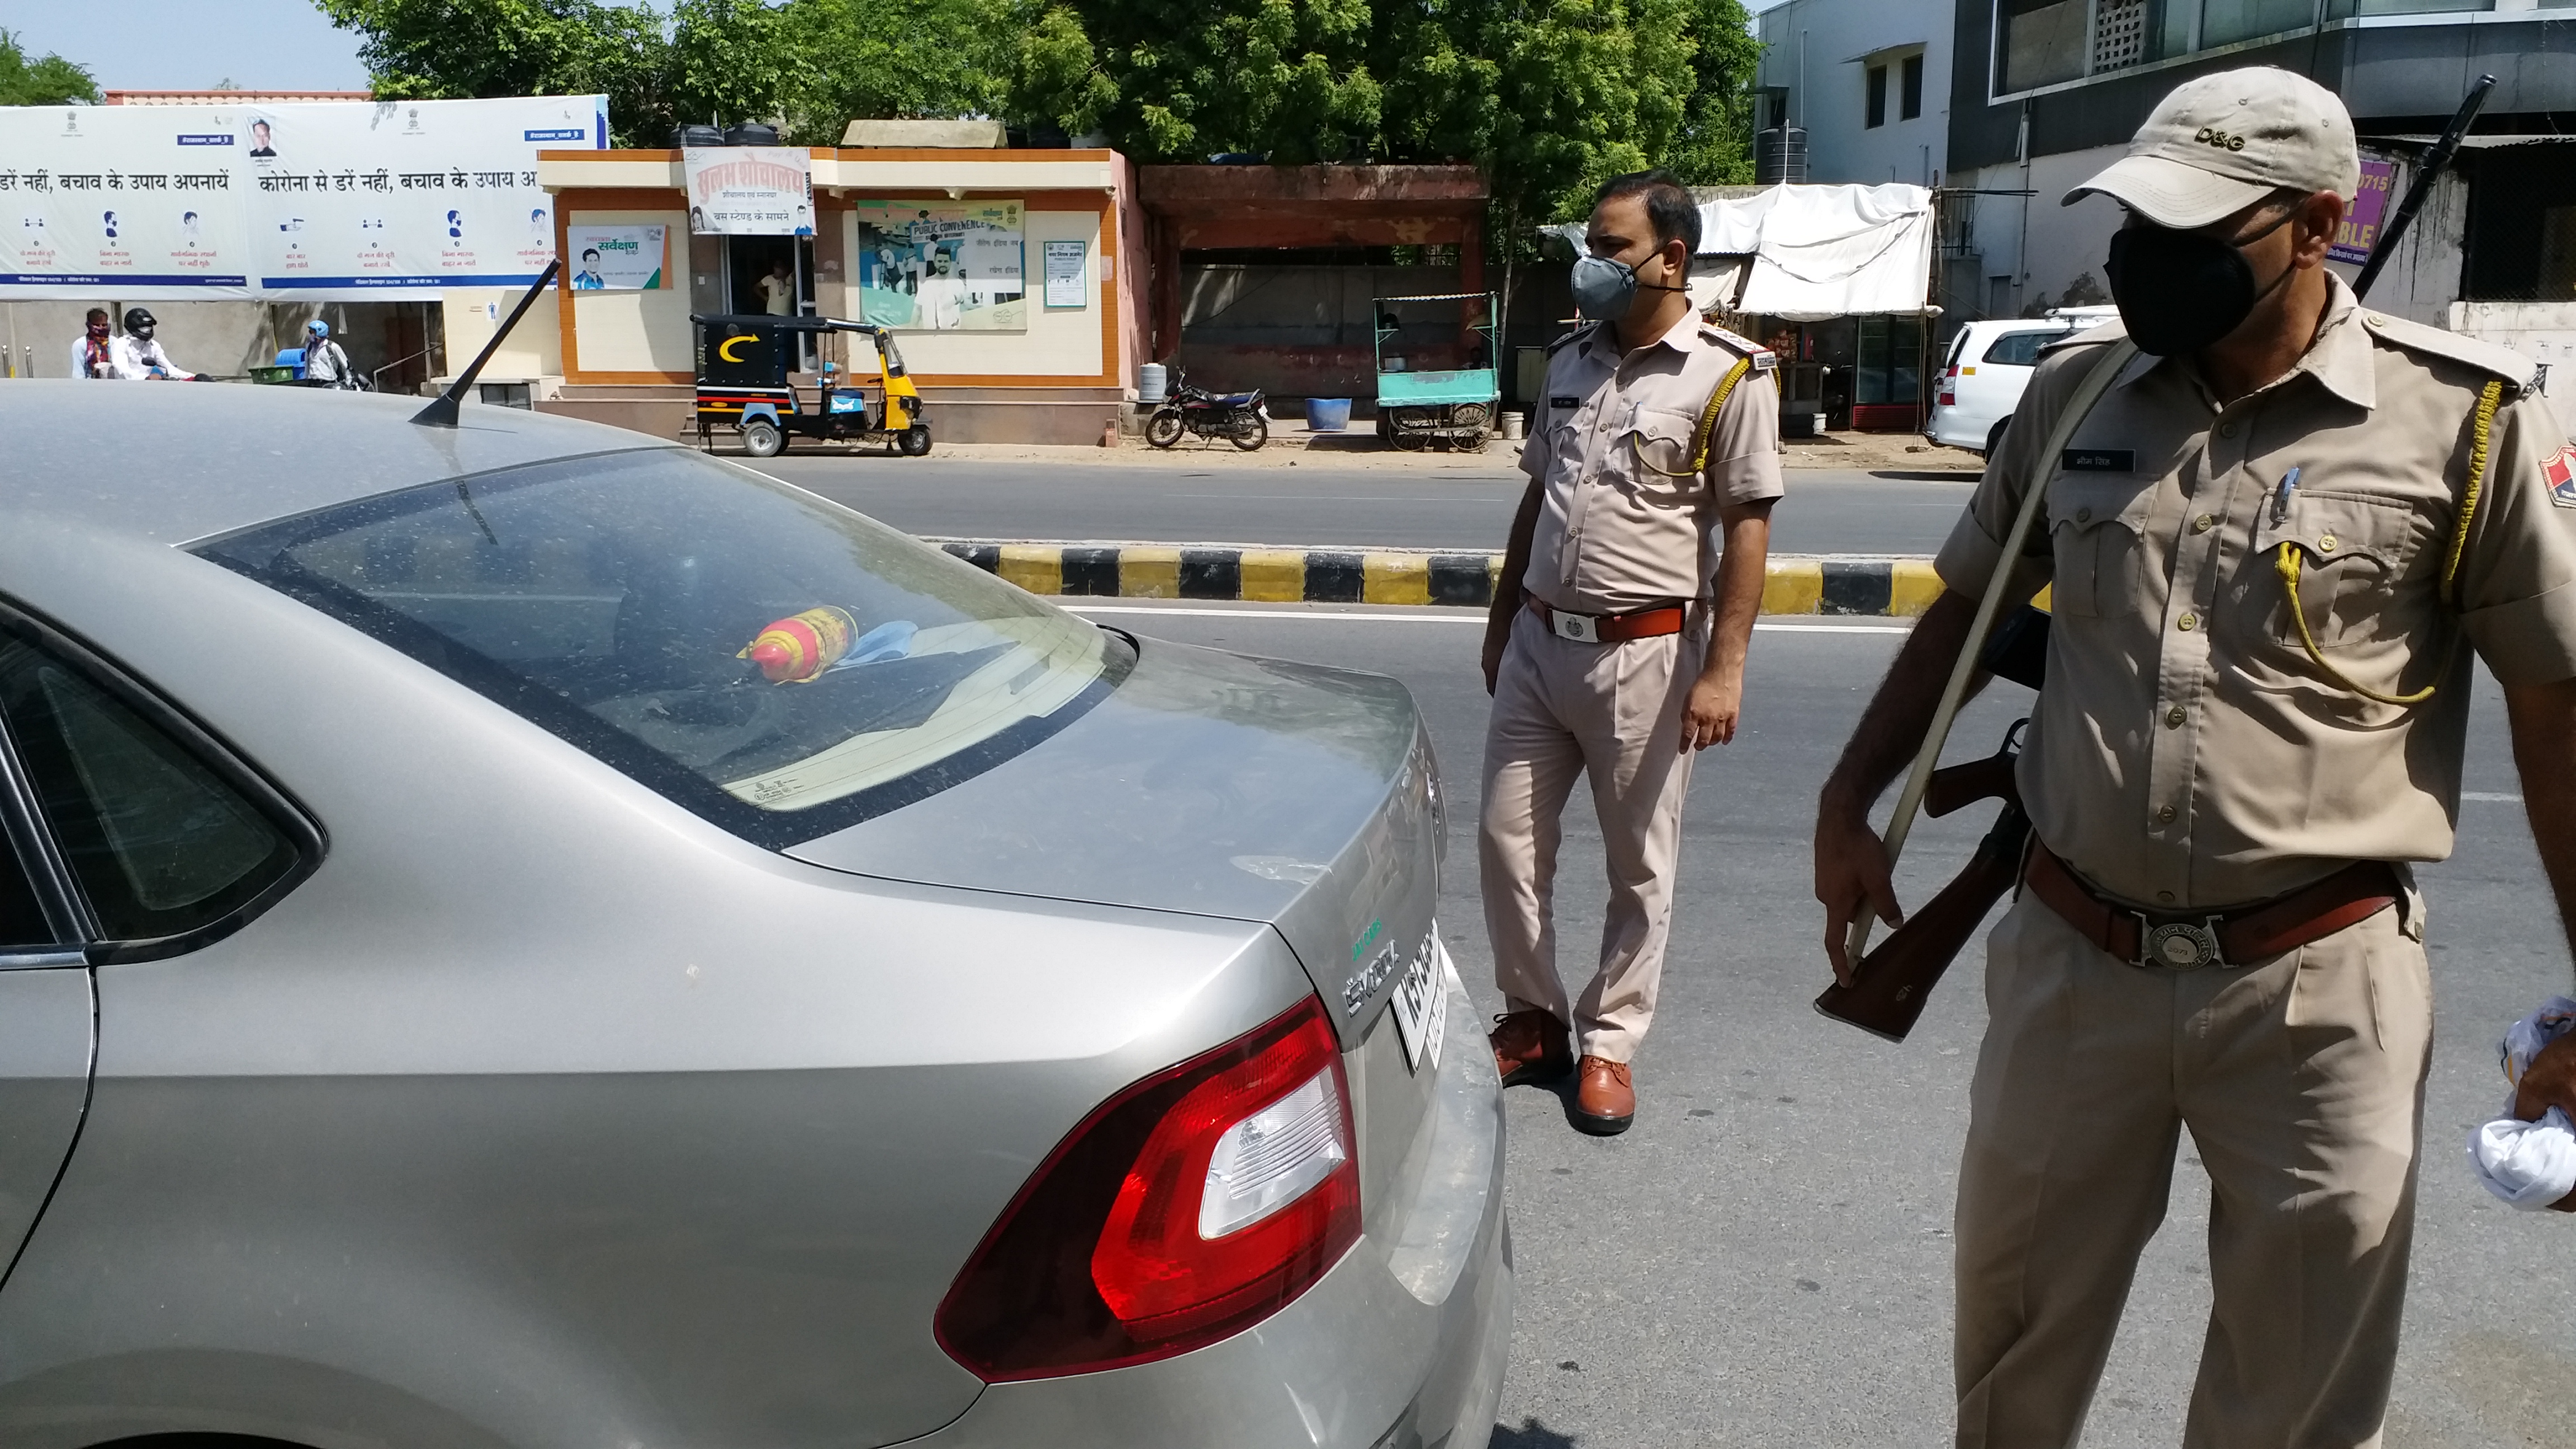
x: 172, y: 463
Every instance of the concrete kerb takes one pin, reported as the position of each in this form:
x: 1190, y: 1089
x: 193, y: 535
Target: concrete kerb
x: 1794, y: 584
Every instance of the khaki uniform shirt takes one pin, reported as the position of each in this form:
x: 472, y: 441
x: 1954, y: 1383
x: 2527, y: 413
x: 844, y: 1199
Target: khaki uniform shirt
x: 2186, y: 751
x: 1624, y: 523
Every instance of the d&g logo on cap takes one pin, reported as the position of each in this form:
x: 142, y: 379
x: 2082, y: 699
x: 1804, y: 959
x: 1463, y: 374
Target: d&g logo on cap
x: 2212, y: 136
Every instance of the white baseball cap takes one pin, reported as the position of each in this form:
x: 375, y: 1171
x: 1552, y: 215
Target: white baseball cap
x: 2219, y: 143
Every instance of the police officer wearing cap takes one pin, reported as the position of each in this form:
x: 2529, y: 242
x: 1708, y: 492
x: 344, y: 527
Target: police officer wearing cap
x: 2266, y: 542
x: 1616, y: 643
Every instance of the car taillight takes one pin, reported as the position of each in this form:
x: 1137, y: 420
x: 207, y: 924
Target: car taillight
x: 1185, y: 1209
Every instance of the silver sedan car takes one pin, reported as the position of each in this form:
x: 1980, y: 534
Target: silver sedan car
x: 523, y: 935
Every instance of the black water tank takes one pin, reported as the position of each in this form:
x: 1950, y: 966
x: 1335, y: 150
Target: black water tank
x: 696, y: 136
x: 1780, y: 154
x: 751, y: 135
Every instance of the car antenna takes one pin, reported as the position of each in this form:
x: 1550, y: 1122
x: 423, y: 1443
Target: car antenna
x: 441, y: 412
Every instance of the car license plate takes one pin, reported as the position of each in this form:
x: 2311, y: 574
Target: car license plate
x: 1422, y: 1006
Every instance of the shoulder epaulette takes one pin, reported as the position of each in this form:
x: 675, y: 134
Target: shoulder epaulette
x: 2110, y: 331
x: 2516, y: 369
x: 1762, y: 358
x: 1580, y: 332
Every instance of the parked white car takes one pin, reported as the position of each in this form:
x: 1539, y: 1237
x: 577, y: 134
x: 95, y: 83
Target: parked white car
x: 1988, y: 366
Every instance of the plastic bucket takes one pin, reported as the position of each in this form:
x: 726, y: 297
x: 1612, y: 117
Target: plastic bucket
x: 1149, y: 383
x: 1328, y: 414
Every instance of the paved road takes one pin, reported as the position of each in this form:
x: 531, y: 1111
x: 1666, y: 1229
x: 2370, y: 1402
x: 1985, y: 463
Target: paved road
x: 1443, y: 504
x: 1764, y: 1259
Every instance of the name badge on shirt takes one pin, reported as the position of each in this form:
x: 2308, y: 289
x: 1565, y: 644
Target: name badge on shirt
x: 2100, y: 460
x: 1565, y: 404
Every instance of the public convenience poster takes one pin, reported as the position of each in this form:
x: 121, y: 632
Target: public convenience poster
x: 2360, y: 229
x: 749, y: 190
x: 615, y: 258
x: 336, y: 200
x: 1065, y: 276
x: 954, y: 268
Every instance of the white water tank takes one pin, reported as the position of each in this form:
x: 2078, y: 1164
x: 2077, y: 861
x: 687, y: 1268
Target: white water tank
x: 1150, y: 383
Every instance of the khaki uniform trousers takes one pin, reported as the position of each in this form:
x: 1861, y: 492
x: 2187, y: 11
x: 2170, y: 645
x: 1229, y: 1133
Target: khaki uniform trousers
x: 1611, y: 712
x: 2302, y: 1081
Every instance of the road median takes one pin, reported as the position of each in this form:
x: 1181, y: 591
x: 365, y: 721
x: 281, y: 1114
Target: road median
x: 1838, y: 585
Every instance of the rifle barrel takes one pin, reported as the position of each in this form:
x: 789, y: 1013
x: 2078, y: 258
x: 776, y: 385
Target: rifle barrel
x: 2418, y: 191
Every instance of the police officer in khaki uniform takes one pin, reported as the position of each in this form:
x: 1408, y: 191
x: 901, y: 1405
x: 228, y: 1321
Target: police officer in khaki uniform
x: 1653, y: 462
x: 2267, y: 542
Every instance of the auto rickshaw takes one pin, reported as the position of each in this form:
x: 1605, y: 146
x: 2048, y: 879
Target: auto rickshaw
x: 1435, y: 375
x: 743, y: 365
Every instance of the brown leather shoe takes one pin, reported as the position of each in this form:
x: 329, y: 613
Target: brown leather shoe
x: 1605, y: 1099
x: 1531, y: 1046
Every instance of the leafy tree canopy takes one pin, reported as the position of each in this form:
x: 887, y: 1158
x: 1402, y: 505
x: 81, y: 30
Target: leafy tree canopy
x: 1549, y: 96
x: 51, y: 81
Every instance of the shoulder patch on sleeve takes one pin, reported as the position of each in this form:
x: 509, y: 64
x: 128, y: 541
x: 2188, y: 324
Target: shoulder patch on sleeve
x: 1762, y: 358
x: 2516, y: 369
x: 2558, y: 475
x: 1577, y: 335
x: 2111, y: 331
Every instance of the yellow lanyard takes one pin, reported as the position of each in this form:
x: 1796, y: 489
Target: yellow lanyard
x: 2482, y: 425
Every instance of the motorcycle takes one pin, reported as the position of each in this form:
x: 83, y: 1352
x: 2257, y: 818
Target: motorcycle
x: 1239, y: 418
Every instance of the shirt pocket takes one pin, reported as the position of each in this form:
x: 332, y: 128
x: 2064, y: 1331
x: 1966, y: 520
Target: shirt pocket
x: 2354, y: 551
x: 1657, y: 448
x: 2094, y: 524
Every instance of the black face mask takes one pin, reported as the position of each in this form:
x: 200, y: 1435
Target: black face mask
x: 2180, y: 291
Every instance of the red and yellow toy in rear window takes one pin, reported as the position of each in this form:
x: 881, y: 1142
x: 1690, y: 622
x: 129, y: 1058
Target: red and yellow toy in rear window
x: 798, y: 648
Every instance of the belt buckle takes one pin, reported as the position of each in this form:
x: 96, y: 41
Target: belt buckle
x: 1581, y: 628
x: 2179, y: 945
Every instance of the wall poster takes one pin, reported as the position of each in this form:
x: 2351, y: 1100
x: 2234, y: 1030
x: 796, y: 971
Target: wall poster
x: 1065, y: 273
x: 321, y: 200
x: 615, y: 258
x: 957, y: 267
x: 2360, y: 229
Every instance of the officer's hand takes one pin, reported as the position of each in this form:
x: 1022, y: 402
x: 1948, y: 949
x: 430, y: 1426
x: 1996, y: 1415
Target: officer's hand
x: 1708, y: 716
x: 1496, y: 641
x: 2549, y: 1082
x: 1852, y: 875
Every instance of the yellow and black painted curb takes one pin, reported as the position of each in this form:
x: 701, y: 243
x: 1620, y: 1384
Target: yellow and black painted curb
x: 1852, y: 587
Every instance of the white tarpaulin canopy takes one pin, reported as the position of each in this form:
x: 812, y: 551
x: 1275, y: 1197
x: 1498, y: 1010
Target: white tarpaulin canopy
x: 1815, y: 251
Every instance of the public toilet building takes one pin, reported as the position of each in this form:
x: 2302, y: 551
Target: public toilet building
x: 918, y: 238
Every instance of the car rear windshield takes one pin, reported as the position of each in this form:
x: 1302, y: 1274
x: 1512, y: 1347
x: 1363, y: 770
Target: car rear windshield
x: 2021, y: 349
x: 780, y: 665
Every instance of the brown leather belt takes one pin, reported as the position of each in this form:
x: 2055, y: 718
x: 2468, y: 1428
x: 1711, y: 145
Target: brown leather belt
x: 1611, y: 628
x: 2241, y: 937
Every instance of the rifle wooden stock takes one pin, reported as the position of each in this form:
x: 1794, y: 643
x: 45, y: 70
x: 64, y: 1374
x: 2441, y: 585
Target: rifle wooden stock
x: 1890, y: 984
x: 1957, y: 786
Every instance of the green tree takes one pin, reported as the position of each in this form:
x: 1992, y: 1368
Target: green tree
x: 51, y: 81
x: 453, y: 49
x: 1175, y: 80
x: 903, y: 58
x: 738, y: 60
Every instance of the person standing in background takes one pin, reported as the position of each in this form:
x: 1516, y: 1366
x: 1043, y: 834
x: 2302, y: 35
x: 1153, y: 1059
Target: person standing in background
x: 778, y: 289
x: 1616, y: 643
x: 94, y: 352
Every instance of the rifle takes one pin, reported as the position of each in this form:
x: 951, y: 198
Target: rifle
x: 1891, y: 984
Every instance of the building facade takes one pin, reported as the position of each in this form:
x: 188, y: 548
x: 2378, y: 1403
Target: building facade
x: 1867, y: 81
x: 1056, y: 367
x: 2046, y: 94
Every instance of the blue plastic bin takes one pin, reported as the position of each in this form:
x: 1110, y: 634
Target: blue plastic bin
x: 1328, y: 414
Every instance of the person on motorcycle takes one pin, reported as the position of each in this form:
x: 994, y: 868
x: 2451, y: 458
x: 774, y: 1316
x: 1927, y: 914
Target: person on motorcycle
x: 139, y: 354
x: 325, y: 363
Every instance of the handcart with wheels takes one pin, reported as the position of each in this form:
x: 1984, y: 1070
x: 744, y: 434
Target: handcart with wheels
x: 744, y: 362
x: 1436, y: 380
